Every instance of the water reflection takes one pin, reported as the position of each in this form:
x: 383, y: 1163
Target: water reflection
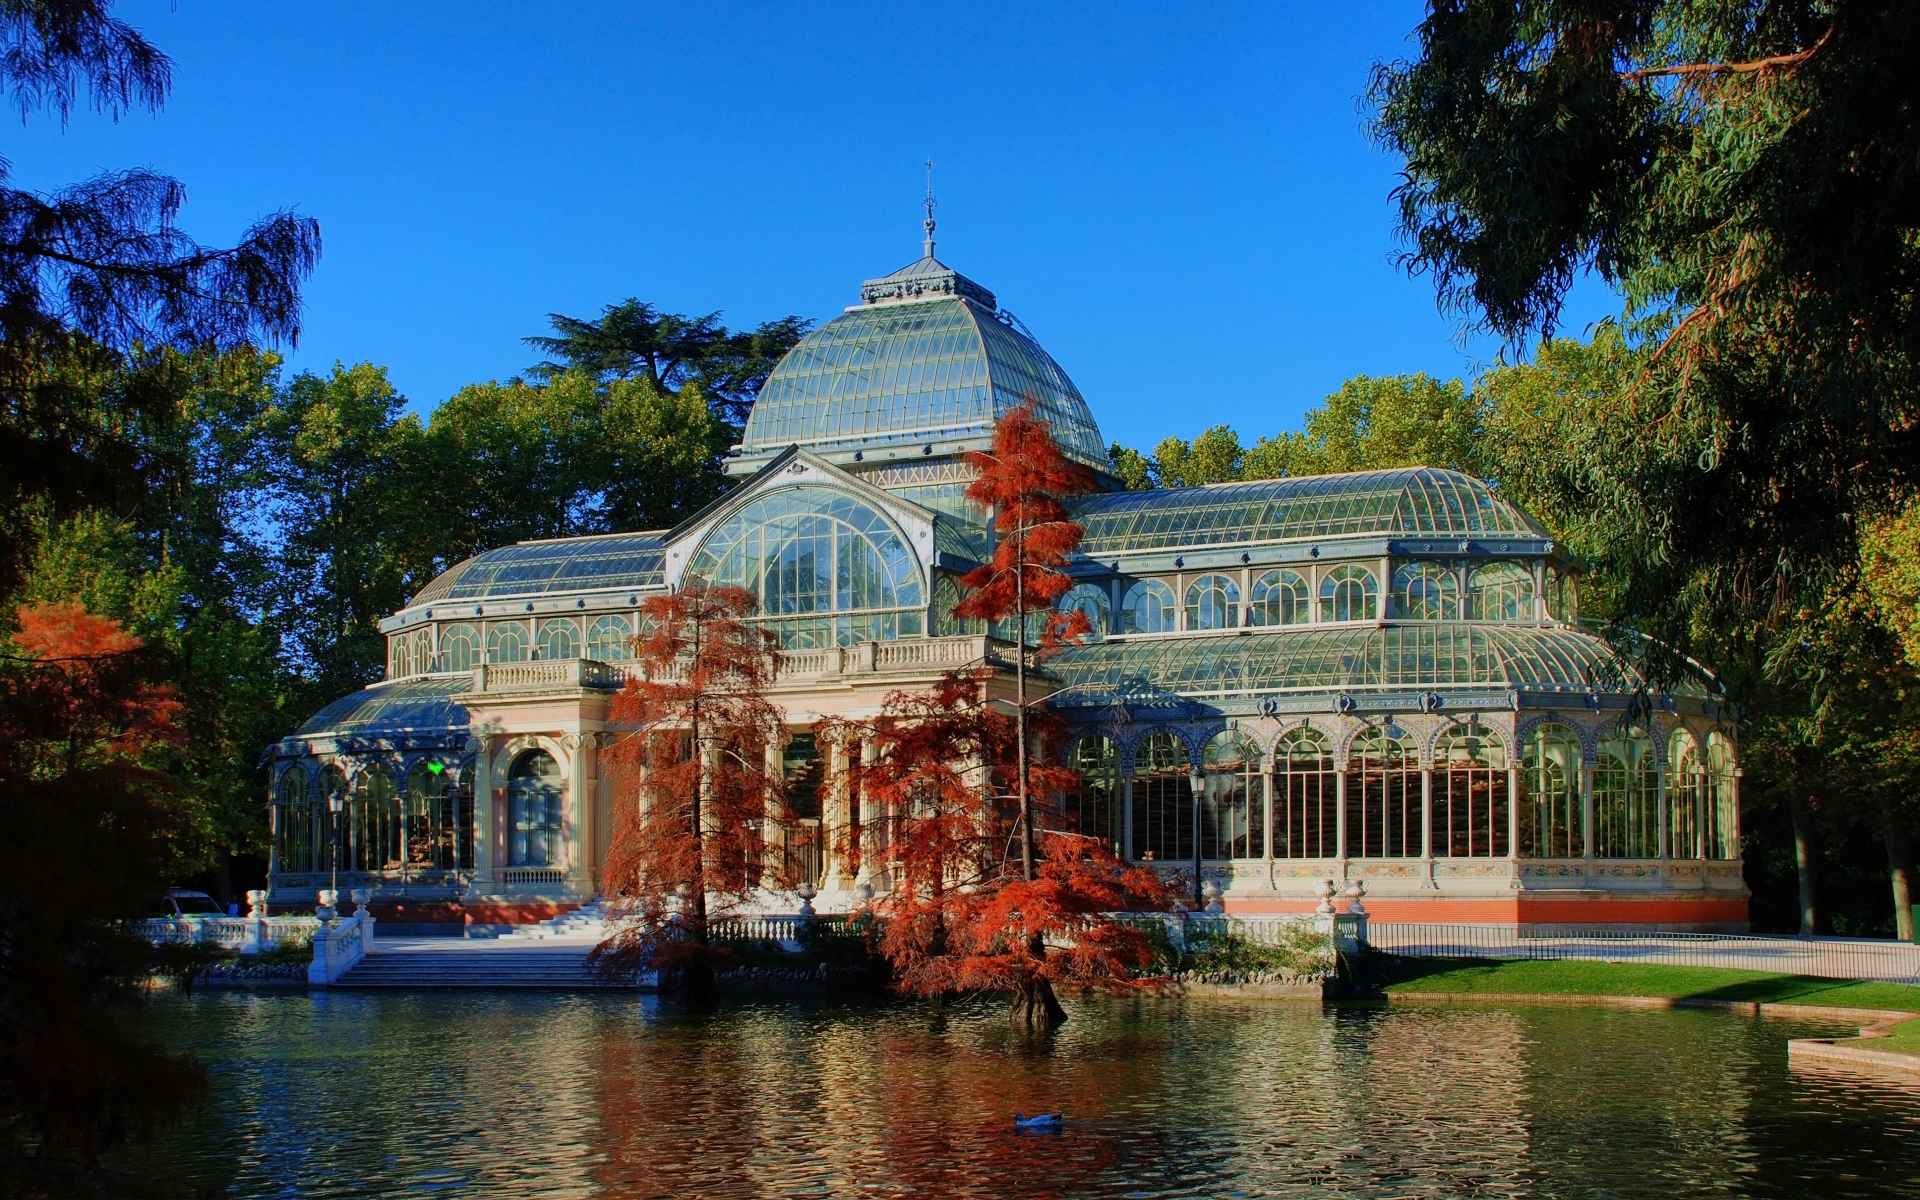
x: 535, y: 1095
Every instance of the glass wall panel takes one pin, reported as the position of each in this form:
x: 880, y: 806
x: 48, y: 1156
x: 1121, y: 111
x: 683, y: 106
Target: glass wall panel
x: 1148, y: 608
x: 1723, y: 800
x: 327, y: 827
x: 507, y: 642
x: 370, y: 837
x: 399, y: 656
x: 1470, y: 795
x: 1501, y: 591
x: 1279, y: 598
x: 610, y: 638
x: 1383, y: 795
x: 1550, y: 817
x: 297, y: 822
x: 1090, y: 599
x: 533, y: 811
x: 1626, y: 797
x: 1349, y: 593
x: 1093, y: 809
x: 1686, y: 796
x: 423, y: 651
x: 438, y: 822
x: 1162, y: 800
x: 559, y: 638
x: 459, y: 648
x: 1232, y: 812
x: 1426, y: 591
x: 1305, y: 797
x: 1213, y: 602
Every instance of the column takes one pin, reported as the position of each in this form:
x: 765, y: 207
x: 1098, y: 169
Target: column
x: 773, y: 834
x: 1660, y: 812
x: 580, y: 778
x: 484, y: 879
x: 1513, y: 811
x: 1126, y: 818
x: 1340, y: 818
x: 1426, y: 826
x: 1586, y: 815
x: 872, y: 835
x: 834, y: 832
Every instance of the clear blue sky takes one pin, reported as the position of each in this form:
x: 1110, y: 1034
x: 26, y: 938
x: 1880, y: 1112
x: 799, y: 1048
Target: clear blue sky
x: 1180, y: 200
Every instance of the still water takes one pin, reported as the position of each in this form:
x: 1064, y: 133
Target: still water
x: 552, y: 1095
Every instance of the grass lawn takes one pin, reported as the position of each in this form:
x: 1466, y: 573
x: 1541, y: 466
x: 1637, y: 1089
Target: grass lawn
x: 1575, y: 977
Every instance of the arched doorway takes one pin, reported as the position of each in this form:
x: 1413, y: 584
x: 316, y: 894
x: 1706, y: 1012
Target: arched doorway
x: 534, y: 828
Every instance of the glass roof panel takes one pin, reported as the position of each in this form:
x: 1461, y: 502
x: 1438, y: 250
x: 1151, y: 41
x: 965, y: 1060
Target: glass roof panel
x: 915, y: 372
x: 421, y: 704
x: 613, y: 560
x: 1414, y: 500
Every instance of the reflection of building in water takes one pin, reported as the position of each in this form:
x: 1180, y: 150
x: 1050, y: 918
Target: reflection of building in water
x: 1375, y: 676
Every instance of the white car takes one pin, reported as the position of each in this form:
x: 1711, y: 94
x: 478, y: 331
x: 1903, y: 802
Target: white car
x: 178, y: 902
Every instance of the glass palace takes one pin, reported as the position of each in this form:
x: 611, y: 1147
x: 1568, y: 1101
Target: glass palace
x: 1376, y: 676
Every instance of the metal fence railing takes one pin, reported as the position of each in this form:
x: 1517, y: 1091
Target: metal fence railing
x: 1826, y: 958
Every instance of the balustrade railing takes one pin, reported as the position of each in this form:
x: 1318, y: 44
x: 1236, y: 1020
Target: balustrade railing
x: 242, y: 934
x: 863, y: 658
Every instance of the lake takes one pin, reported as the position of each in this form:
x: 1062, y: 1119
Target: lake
x: 536, y: 1094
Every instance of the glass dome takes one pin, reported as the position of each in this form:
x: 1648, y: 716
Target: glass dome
x: 617, y: 560
x: 928, y: 358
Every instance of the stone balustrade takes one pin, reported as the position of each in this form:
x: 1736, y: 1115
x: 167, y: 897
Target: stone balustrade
x: 907, y: 656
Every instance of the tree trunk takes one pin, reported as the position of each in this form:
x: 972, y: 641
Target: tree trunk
x: 1803, y: 861
x: 1036, y: 1005
x: 1900, y: 873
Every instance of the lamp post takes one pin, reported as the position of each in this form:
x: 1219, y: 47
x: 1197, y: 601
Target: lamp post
x: 1195, y: 782
x: 336, y: 803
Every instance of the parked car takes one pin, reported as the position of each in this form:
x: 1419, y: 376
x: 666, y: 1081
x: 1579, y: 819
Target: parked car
x: 179, y: 902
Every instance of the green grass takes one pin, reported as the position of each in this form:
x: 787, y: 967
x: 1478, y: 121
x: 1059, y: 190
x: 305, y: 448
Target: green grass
x: 1574, y: 977
x: 1903, y: 1038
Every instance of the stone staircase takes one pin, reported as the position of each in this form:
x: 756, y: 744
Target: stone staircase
x: 585, y: 921
x: 550, y: 955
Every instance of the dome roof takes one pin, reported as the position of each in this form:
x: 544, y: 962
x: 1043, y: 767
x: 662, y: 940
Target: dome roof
x: 404, y: 706
x: 599, y: 561
x: 928, y: 356
x: 1412, y: 501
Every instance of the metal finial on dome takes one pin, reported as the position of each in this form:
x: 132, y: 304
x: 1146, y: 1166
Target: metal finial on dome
x: 929, y: 208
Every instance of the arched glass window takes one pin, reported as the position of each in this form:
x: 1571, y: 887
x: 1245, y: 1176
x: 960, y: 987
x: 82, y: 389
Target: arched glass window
x: 399, y: 656
x: 459, y: 648
x: 1349, y: 593
x: 1213, y: 602
x: 1556, y: 597
x: 946, y: 594
x: 1279, y: 598
x: 1091, y: 599
x: 370, y: 833
x: 435, y: 815
x: 610, y: 638
x: 1305, y: 796
x: 559, y: 638
x: 1424, y: 591
x: 507, y: 642
x: 1626, y: 797
x: 1500, y: 591
x: 1232, y: 813
x: 810, y: 551
x: 1148, y: 608
x: 1686, y: 796
x: 1550, y: 821
x: 1383, y: 795
x: 1470, y: 794
x: 1722, y: 799
x: 296, y: 824
x: 533, y: 811
x: 1162, y: 800
x: 1093, y: 808
x: 423, y: 651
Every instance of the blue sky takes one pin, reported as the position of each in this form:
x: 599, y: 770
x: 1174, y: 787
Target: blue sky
x: 1180, y: 200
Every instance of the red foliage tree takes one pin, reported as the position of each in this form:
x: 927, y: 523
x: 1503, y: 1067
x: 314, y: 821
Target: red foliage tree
x: 85, y: 739
x: 697, y: 807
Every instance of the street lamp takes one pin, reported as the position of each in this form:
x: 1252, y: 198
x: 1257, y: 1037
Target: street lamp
x: 336, y: 803
x: 1196, y: 783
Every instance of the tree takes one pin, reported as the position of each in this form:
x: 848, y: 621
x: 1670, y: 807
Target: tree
x: 92, y: 271
x: 635, y: 340
x: 89, y: 818
x: 961, y: 913
x: 1741, y: 173
x: 692, y: 831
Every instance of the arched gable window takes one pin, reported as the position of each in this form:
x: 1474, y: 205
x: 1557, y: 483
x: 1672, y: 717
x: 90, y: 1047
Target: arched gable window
x: 507, y: 642
x: 1626, y: 797
x: 1383, y: 795
x: 399, y: 656
x: 1550, y: 816
x: 1093, y: 808
x: 1213, y: 602
x: 1162, y: 800
x: 1090, y: 599
x: 1470, y: 794
x: 1723, y: 799
x: 423, y: 650
x: 459, y: 648
x: 559, y: 638
x: 1232, y: 812
x: 533, y: 811
x: 1500, y: 591
x: 296, y: 824
x: 1148, y: 608
x: 610, y: 638
x: 1349, y: 593
x: 1305, y: 795
x: 1425, y: 591
x: 1279, y: 598
x: 1686, y: 796
x: 811, y: 554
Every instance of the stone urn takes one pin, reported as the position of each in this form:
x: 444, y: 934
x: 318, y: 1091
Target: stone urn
x: 1210, y: 891
x: 1325, y: 891
x: 256, y: 904
x: 360, y: 897
x: 806, y: 894
x: 329, y: 901
x: 1355, y: 891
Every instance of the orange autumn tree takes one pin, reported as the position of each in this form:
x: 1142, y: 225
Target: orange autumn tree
x: 697, y: 808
